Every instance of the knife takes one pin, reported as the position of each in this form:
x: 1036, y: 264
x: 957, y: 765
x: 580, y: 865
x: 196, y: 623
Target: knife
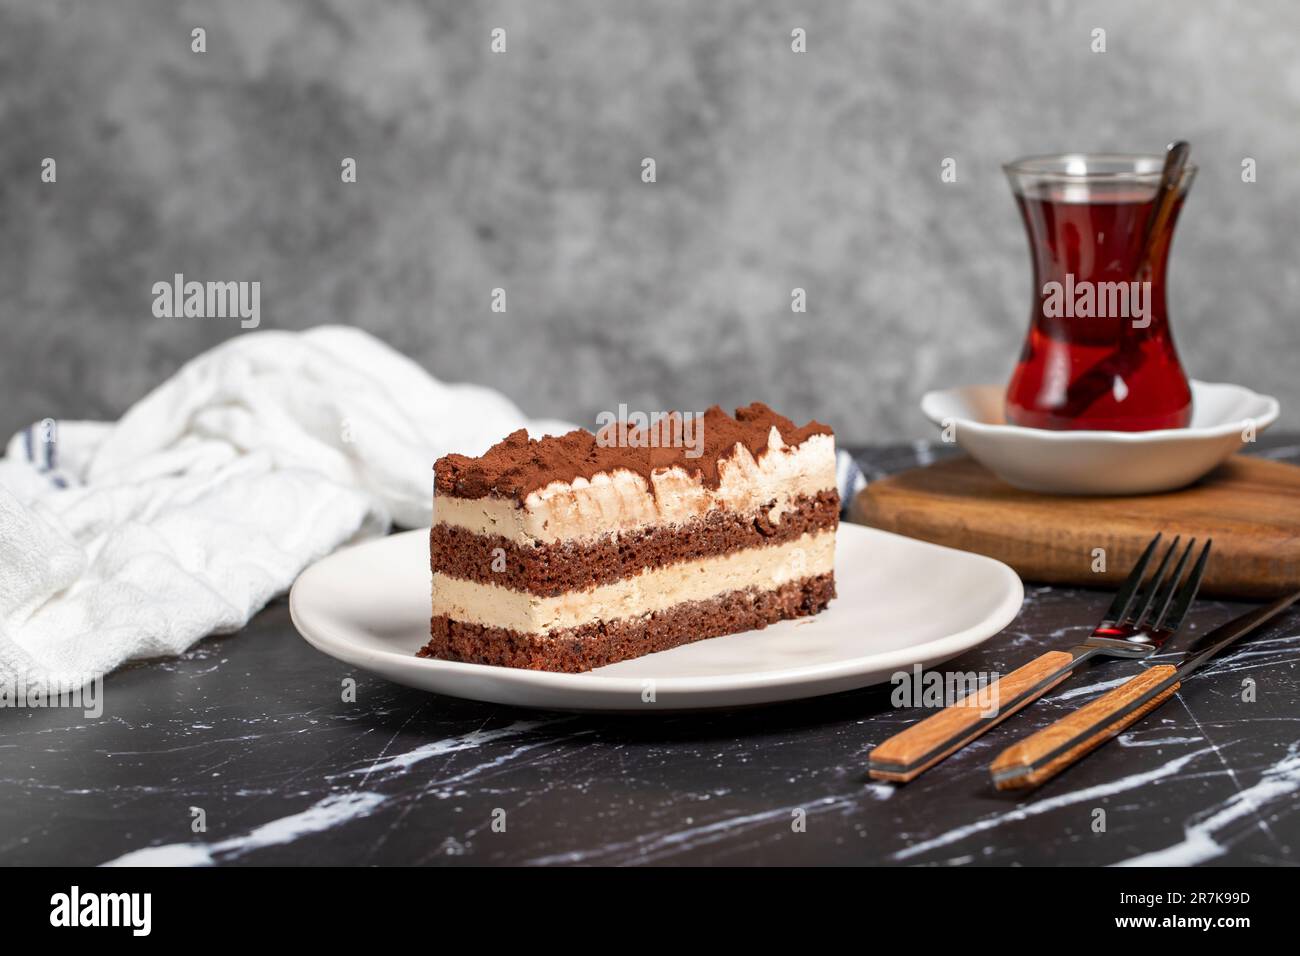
x: 1044, y: 754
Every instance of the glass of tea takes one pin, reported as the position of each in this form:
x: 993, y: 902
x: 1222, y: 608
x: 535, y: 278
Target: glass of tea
x: 1099, y: 353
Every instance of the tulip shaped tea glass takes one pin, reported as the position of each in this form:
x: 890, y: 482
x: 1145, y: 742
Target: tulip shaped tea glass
x: 1099, y: 354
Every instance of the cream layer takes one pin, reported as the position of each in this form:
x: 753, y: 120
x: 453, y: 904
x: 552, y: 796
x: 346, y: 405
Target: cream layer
x: 623, y: 500
x: 654, y: 589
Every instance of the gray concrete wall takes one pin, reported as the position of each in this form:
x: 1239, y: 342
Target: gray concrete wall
x: 522, y: 170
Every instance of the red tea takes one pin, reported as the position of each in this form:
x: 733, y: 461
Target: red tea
x: 1099, y: 354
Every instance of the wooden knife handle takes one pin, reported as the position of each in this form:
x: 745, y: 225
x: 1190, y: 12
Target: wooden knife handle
x: 1044, y: 754
x: 906, y: 755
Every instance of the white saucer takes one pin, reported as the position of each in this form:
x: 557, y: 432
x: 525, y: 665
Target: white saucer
x: 1101, y: 462
x: 901, y: 602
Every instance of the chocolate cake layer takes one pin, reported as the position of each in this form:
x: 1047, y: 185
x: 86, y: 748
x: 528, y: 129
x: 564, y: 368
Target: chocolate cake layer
x: 519, y: 465
x: 606, y: 642
x: 552, y: 569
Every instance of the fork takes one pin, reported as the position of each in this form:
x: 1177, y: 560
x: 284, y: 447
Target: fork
x: 1138, y: 623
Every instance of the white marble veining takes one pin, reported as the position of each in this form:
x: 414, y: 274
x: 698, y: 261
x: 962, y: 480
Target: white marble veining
x: 323, y: 815
x: 1209, y: 834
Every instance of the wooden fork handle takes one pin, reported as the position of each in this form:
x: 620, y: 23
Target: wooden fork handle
x: 1043, y: 755
x: 906, y: 755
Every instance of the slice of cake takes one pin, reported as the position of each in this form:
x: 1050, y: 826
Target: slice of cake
x: 568, y: 553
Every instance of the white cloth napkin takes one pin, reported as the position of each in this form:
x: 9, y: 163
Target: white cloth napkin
x: 134, y: 540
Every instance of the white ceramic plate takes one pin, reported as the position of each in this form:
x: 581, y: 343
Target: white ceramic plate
x: 1101, y: 462
x: 901, y: 602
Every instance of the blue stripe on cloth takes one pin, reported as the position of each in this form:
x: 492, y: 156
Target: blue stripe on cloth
x: 46, y: 460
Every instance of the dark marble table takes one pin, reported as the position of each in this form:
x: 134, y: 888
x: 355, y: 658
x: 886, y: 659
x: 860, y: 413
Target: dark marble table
x: 250, y: 733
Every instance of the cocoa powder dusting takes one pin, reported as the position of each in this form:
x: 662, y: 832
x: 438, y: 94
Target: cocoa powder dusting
x: 518, y: 465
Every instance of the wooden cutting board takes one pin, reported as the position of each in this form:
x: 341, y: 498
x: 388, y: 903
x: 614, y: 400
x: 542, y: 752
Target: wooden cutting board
x: 1250, y: 506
